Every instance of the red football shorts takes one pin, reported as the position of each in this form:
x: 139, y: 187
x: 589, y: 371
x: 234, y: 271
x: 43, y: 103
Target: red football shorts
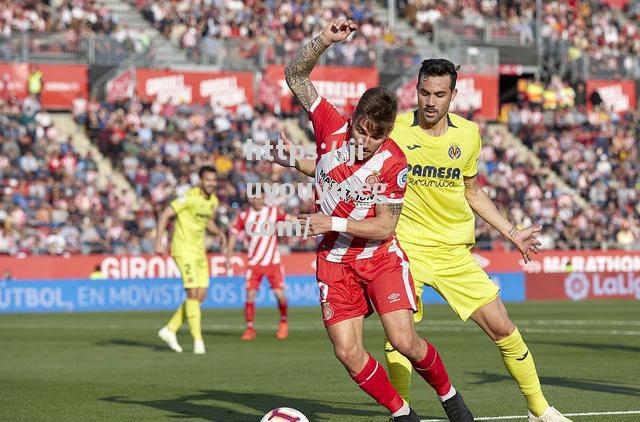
x: 273, y: 272
x: 358, y: 288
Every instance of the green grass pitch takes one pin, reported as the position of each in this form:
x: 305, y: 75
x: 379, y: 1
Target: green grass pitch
x: 112, y: 367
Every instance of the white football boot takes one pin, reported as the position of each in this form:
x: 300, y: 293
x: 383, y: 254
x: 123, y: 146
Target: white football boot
x: 170, y: 338
x: 198, y: 347
x: 550, y: 415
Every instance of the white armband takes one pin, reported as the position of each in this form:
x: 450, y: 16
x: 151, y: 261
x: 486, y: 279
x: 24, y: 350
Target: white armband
x: 338, y: 224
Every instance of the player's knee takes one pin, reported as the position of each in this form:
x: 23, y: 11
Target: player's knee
x: 503, y: 330
x: 405, y: 345
x: 350, y: 355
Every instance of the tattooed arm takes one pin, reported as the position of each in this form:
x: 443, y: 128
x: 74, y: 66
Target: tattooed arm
x: 298, y: 71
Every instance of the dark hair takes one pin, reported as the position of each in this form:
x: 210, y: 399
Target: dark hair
x: 376, y: 111
x: 439, y: 67
x: 206, y: 169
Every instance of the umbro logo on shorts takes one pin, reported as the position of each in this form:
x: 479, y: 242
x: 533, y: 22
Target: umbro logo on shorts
x: 393, y: 297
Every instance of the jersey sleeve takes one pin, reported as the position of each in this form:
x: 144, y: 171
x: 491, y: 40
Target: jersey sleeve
x: 471, y: 167
x: 239, y: 224
x: 395, y: 180
x: 181, y: 204
x: 327, y: 121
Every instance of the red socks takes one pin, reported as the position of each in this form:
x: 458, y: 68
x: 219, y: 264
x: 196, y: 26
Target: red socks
x: 250, y: 313
x: 433, y: 371
x: 283, y: 310
x: 374, y: 381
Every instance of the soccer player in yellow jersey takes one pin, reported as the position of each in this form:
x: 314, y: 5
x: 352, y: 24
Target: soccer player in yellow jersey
x: 194, y: 212
x: 436, y: 228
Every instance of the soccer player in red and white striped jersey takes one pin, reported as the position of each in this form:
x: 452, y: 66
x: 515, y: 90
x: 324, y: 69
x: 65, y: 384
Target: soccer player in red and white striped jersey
x: 263, y: 259
x: 361, y: 266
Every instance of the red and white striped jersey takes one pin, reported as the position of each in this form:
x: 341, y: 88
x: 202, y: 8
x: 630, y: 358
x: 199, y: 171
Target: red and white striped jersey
x: 263, y: 249
x: 388, y: 166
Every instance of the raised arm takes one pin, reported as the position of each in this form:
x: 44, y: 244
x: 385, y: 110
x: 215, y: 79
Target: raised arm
x: 298, y: 71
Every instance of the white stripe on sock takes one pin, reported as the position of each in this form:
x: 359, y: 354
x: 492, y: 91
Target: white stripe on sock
x: 447, y: 396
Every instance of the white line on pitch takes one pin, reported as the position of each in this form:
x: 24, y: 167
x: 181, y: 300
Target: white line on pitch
x: 373, y: 326
x: 497, y: 418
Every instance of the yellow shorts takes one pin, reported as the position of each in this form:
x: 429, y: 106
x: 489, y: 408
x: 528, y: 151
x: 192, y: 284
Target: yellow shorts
x: 454, y: 274
x: 194, y: 270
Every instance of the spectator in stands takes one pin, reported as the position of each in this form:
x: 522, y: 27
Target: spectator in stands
x: 35, y: 83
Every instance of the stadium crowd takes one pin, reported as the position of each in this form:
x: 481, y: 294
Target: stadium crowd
x: 160, y: 147
x: 610, y: 39
x: 595, y: 151
x: 507, y: 17
x: 73, y: 20
x: 208, y: 30
x: 51, y: 200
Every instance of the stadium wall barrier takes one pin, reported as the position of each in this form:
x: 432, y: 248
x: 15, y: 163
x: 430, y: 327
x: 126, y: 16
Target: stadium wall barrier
x: 228, y: 89
x: 155, y: 266
x: 620, y: 95
x: 59, y: 284
x: 48, y: 296
x: 578, y: 286
x: 341, y: 86
x: 63, y: 83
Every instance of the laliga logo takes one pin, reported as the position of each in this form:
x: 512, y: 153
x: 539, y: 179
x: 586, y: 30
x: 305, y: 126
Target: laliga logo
x: 576, y: 286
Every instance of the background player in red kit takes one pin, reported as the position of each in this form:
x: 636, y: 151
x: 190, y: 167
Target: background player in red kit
x: 360, y: 265
x: 264, y: 260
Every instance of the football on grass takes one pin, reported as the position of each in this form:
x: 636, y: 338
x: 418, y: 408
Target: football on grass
x: 284, y: 414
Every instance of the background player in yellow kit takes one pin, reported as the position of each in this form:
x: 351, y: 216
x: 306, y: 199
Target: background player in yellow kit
x: 194, y: 212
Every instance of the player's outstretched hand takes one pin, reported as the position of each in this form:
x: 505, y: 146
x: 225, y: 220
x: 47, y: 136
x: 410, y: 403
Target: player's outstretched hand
x: 282, y: 155
x: 315, y: 224
x: 527, y: 242
x: 339, y: 30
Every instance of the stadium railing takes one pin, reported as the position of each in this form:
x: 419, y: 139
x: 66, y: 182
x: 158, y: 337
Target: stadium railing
x: 56, y: 48
x: 243, y: 55
x: 487, y: 31
x: 564, y: 59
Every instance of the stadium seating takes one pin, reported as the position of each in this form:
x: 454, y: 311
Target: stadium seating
x: 70, y: 22
x: 161, y: 147
x: 608, y: 41
x: 275, y: 28
x: 52, y: 203
x: 595, y: 151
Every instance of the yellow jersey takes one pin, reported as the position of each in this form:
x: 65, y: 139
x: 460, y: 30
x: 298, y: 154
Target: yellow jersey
x: 193, y: 212
x: 435, y: 210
